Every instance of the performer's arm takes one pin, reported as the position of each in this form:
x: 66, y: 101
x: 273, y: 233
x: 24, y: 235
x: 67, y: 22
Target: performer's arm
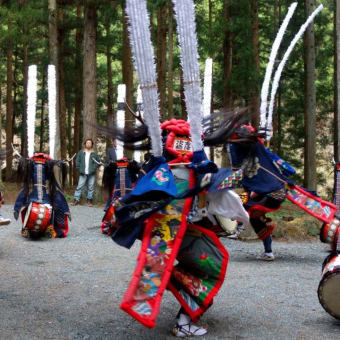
x: 96, y: 157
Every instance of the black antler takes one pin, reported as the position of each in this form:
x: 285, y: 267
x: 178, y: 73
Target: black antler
x: 137, y: 116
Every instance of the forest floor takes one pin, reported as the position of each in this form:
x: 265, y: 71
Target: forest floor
x: 70, y: 289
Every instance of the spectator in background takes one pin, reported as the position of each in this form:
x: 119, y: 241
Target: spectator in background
x: 87, y: 162
x: 111, y: 153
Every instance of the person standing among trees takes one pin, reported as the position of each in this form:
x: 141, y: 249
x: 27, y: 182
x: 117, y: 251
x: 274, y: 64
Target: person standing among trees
x: 111, y: 153
x: 87, y: 162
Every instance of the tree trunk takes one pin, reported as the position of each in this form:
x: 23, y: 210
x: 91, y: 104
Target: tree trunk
x: 228, y: 56
x: 69, y: 139
x: 210, y: 9
x: 78, y: 87
x: 9, y: 109
x: 310, y: 103
x: 170, y: 62
x: 276, y: 112
x: 62, y: 100
x: 127, y: 69
x: 15, y: 92
x: 127, y: 62
x: 211, y: 55
x: 110, y: 115
x: 278, y: 149
x: 24, y: 150
x: 184, y: 112
x: 161, y: 57
x: 53, y: 54
x: 1, y: 134
x: 337, y: 80
x: 255, y: 100
x: 90, y: 72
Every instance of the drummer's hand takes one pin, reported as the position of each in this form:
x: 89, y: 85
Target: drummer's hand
x: 113, y: 219
x: 69, y: 216
x: 253, y: 194
x: 16, y: 214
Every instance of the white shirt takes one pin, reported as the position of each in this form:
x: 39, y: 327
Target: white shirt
x: 227, y: 204
x: 87, y: 161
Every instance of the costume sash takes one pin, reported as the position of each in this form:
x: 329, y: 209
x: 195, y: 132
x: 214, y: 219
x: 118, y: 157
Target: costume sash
x: 163, y: 235
x: 315, y: 206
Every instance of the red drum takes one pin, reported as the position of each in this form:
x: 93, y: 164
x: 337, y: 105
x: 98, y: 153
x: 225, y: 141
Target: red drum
x: 107, y: 227
x: 109, y: 214
x: 329, y: 287
x: 330, y: 232
x: 37, y: 217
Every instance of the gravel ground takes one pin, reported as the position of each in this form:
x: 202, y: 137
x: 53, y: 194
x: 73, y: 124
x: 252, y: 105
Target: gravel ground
x: 71, y: 289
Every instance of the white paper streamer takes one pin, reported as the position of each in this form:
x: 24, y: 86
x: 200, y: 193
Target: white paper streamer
x: 52, y: 101
x: 143, y: 54
x: 207, y: 91
x: 137, y: 155
x: 270, y: 65
x: 32, y: 86
x: 121, y: 117
x: 279, y: 70
x: 207, y: 87
x: 186, y: 28
x: 139, y: 98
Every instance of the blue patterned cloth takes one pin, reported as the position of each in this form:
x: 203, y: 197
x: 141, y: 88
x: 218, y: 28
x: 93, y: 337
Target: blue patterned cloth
x: 260, y: 173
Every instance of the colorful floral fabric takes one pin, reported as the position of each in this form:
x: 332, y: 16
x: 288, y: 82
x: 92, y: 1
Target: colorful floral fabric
x: 201, y: 269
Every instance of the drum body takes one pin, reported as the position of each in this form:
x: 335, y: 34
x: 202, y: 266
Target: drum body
x: 109, y: 214
x: 227, y: 224
x: 330, y: 233
x: 107, y: 227
x: 329, y: 287
x: 37, y: 217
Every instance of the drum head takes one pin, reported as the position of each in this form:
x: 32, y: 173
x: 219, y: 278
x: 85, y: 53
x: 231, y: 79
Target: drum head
x: 28, y: 212
x: 329, y: 294
x: 227, y: 224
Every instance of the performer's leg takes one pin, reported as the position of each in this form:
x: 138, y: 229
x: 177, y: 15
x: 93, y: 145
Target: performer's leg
x: 268, y: 253
x: 90, y: 190
x: 81, y: 184
x: 264, y: 232
x: 267, y: 242
x: 196, y: 279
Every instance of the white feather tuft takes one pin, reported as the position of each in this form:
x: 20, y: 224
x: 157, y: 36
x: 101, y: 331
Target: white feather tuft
x: 186, y: 28
x: 279, y: 70
x: 32, y: 86
x: 121, y: 117
x: 139, y: 96
x: 270, y: 65
x: 142, y: 50
x: 137, y: 155
x: 52, y: 102
x: 207, y: 87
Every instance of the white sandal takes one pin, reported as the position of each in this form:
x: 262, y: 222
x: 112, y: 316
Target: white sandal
x: 187, y: 329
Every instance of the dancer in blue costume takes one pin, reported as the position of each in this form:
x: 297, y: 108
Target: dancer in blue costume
x: 41, y: 187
